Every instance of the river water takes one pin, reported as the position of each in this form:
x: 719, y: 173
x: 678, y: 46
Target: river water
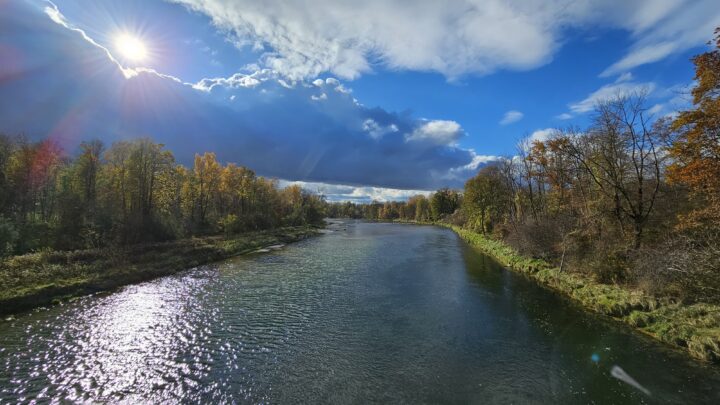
x: 368, y: 313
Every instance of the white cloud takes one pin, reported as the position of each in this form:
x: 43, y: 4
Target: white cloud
x: 676, y: 98
x: 479, y: 160
x: 654, y: 110
x: 453, y: 37
x: 641, y: 56
x: 376, y: 131
x: 511, y: 116
x: 342, y: 193
x: 662, y: 28
x: 610, y: 91
x: 542, y: 135
x: 564, y: 116
x: 237, y: 80
x: 345, y: 39
x: 625, y: 77
x: 463, y: 172
x: 55, y: 15
x: 384, y: 194
x: 439, y: 132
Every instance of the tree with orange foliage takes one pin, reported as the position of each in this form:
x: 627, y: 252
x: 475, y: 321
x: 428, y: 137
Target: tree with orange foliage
x: 696, y: 150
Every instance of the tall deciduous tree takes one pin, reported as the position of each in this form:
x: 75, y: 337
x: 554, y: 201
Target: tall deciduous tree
x: 207, y: 173
x: 620, y: 154
x: 696, y: 150
x: 444, y: 202
x: 486, y: 198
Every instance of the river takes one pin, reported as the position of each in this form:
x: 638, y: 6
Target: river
x: 367, y: 313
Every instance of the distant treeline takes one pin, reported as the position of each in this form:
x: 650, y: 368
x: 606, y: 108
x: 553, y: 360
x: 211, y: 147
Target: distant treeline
x: 419, y: 208
x: 631, y: 199
x: 132, y: 192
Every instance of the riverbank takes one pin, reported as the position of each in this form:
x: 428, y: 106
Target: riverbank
x: 43, y: 278
x: 692, y: 327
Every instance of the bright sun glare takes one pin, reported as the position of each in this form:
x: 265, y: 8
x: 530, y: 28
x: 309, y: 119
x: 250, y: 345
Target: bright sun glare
x: 131, y: 47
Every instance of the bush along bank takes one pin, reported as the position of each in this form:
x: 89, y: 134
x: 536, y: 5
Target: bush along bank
x: 693, y: 327
x: 47, y: 277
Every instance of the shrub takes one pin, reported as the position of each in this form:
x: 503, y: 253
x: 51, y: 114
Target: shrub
x: 537, y: 239
x: 8, y: 237
x: 231, y: 224
x: 685, y: 265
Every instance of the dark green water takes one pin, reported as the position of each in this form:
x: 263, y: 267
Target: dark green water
x: 370, y: 313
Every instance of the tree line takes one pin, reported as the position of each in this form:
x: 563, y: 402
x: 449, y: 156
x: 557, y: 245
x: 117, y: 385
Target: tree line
x: 132, y: 192
x: 631, y: 199
x: 418, y: 208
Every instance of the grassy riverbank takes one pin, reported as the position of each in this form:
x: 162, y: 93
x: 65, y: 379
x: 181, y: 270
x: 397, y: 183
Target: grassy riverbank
x: 694, y: 327
x: 42, y: 278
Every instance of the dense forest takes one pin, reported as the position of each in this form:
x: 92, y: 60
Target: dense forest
x: 133, y: 192
x: 632, y: 198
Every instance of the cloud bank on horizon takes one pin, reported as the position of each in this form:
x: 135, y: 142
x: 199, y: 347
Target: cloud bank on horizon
x: 286, y: 116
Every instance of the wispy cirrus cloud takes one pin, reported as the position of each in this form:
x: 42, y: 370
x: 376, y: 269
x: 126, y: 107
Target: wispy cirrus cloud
x: 608, y: 92
x: 665, y: 28
x: 665, y: 100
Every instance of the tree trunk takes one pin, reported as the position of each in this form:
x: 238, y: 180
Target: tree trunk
x: 638, y: 233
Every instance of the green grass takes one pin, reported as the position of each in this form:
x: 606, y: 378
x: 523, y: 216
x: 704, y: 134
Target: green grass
x: 694, y: 328
x: 41, y: 278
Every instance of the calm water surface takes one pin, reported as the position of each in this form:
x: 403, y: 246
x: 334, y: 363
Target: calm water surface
x: 371, y: 312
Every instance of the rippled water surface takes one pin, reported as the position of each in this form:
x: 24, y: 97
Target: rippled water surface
x: 371, y: 312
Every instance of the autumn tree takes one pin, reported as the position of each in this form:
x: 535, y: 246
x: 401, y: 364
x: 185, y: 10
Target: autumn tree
x: 528, y: 181
x: 444, y: 202
x: 486, y: 198
x: 132, y: 173
x: 696, y: 149
x: 422, y: 208
x: 206, y: 180
x: 134, y: 192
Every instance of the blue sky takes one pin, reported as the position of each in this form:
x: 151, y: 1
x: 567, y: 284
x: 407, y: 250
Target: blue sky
x: 377, y: 101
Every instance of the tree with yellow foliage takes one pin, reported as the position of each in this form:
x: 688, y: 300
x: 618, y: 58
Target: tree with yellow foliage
x: 207, y: 172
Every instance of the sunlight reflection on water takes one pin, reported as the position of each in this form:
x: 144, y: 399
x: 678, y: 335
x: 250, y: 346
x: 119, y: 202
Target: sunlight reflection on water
x: 374, y: 313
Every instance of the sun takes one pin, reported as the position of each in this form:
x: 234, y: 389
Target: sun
x: 131, y: 48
